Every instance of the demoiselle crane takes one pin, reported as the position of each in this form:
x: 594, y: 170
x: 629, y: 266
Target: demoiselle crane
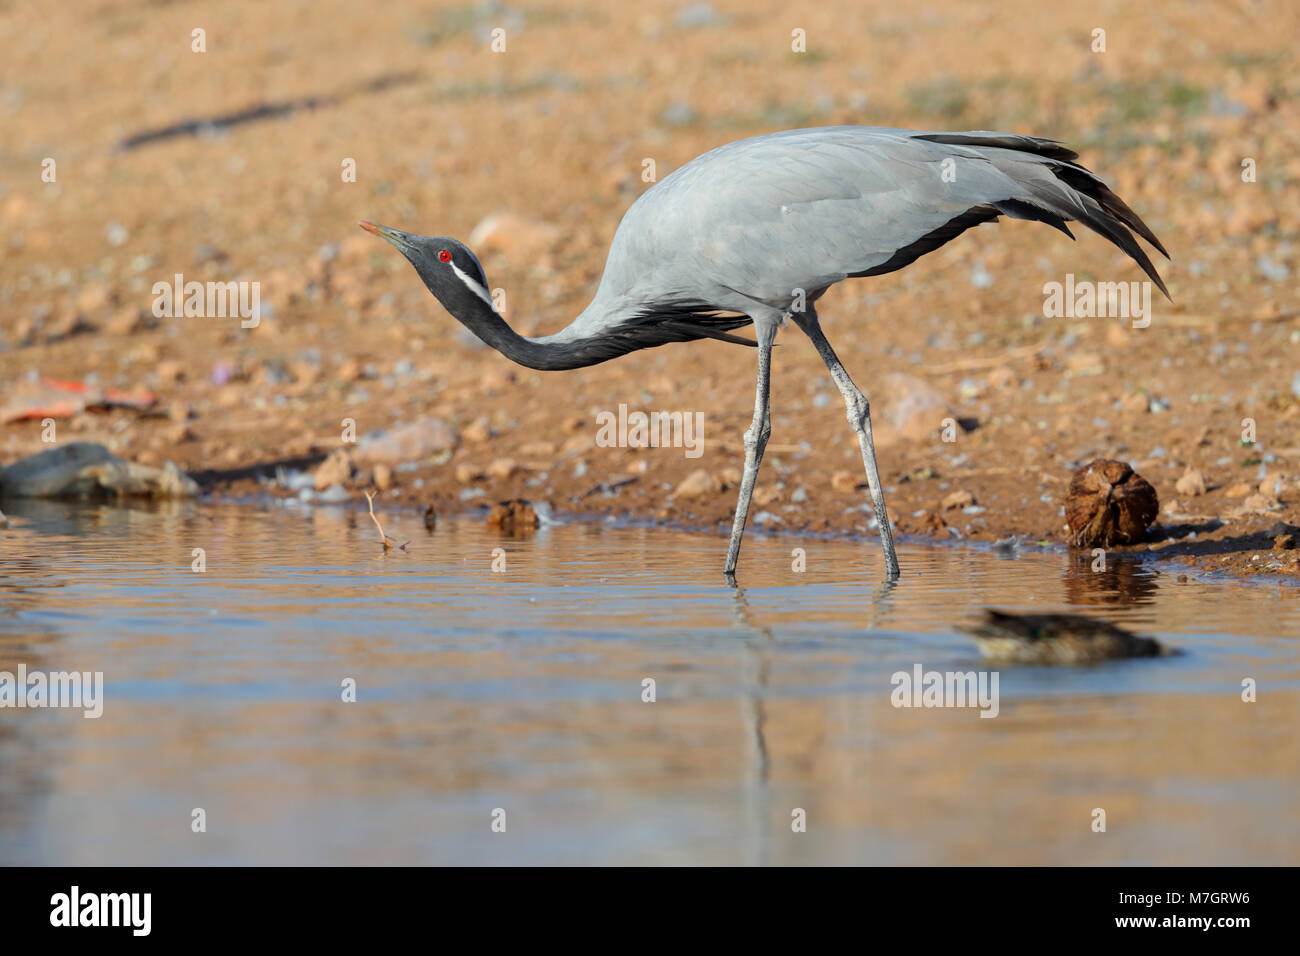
x: 748, y: 232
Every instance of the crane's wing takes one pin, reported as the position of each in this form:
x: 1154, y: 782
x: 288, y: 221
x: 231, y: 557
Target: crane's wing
x: 806, y: 208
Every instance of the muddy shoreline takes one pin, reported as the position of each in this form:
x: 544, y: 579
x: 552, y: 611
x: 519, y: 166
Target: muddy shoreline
x: 1195, y: 559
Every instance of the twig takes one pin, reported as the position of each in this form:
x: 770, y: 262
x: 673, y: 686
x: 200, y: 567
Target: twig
x: 388, y: 542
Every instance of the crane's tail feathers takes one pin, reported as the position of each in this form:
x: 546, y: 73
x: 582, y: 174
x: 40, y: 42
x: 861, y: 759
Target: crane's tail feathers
x: 1051, y: 188
x: 1108, y: 215
x: 1085, y: 182
x: 1106, y: 223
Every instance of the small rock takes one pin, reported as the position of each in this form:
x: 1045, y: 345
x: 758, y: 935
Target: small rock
x: 84, y: 469
x: 1283, y: 542
x: 577, y: 444
x: 430, y: 517
x: 334, y: 470
x: 958, y: 499
x: 931, y: 522
x: 93, y: 297
x: 477, y: 432
x: 178, y: 434
x: 1239, y: 490
x: 697, y: 484
x: 1137, y: 403
x: 128, y: 320
x: 503, y: 469
x: 844, y: 480
x: 66, y: 325
x: 169, y: 371
x: 729, y: 477
x: 1002, y: 377
x: 466, y: 473
x: 513, y: 516
x: 1191, y: 484
x: 497, y: 378
x: 383, y: 476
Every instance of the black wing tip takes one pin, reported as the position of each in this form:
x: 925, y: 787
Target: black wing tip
x: 1025, y: 143
x: 1113, y: 218
x: 1115, y: 214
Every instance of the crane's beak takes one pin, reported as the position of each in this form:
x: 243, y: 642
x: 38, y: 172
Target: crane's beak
x: 395, y: 236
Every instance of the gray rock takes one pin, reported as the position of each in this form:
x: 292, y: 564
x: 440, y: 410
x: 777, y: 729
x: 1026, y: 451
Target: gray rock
x: 84, y: 469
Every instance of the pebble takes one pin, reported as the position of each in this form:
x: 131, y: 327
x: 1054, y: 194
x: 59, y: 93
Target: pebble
x: 959, y: 499
x: 697, y: 484
x: 334, y: 470
x: 1191, y: 484
x: 465, y: 473
x: 844, y: 480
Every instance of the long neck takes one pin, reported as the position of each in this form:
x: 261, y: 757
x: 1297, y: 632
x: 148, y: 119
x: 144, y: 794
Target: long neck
x: 567, y: 349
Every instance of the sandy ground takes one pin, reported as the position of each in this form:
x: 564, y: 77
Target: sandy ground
x: 557, y: 130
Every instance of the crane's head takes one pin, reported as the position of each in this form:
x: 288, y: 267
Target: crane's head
x: 449, y: 270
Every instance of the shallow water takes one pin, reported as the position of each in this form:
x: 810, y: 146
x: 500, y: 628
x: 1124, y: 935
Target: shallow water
x: 521, y: 691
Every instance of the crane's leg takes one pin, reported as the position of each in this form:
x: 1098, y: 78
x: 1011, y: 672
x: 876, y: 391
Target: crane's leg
x: 859, y: 412
x: 755, y: 439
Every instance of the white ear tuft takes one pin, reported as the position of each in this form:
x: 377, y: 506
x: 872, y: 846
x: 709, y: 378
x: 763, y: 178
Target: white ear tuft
x: 474, y: 286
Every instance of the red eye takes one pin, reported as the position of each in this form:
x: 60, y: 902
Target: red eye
x: 444, y: 256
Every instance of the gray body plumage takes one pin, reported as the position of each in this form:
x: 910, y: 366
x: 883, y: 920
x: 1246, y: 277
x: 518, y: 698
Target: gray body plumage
x: 746, y: 232
x: 743, y: 226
